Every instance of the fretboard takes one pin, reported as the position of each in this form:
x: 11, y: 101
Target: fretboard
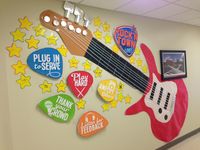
x: 116, y: 65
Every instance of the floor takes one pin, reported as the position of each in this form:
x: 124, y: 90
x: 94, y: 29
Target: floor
x: 192, y: 143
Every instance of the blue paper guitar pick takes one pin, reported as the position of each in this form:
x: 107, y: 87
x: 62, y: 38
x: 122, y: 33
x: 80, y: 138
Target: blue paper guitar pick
x: 46, y: 61
x: 126, y: 38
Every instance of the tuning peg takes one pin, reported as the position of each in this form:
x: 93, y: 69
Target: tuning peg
x: 86, y: 21
x: 69, y: 8
x: 78, y: 13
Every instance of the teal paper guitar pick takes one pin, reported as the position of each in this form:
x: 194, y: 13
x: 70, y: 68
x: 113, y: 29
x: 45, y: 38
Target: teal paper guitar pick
x: 60, y: 107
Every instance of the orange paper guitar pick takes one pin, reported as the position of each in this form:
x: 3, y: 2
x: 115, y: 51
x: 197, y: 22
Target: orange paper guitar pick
x: 90, y: 123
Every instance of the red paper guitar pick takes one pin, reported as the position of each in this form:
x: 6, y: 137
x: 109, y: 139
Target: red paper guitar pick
x: 79, y: 82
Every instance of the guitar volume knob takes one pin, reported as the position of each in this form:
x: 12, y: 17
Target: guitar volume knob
x: 56, y: 23
x: 47, y: 19
x: 71, y: 27
x: 63, y: 23
x: 84, y: 32
x: 78, y: 30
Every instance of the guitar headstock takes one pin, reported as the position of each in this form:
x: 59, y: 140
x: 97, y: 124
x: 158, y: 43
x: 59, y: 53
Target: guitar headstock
x: 75, y: 37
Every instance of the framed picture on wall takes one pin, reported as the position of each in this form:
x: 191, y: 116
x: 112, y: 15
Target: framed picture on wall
x: 173, y: 64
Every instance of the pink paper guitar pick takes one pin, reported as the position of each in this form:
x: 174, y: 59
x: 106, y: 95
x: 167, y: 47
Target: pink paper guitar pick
x: 79, y: 83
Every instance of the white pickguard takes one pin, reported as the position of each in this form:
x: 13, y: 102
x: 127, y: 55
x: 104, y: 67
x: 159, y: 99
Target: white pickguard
x: 162, y: 113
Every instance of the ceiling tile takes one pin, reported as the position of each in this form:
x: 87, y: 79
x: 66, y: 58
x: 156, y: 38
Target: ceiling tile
x: 195, y: 4
x: 188, y: 15
x: 142, y: 6
x: 106, y: 4
x: 166, y: 11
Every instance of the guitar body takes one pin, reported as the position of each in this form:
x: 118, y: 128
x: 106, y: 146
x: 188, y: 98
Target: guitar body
x: 164, y: 130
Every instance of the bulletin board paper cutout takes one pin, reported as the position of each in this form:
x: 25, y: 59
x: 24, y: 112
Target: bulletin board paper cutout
x: 126, y: 38
x: 46, y: 86
x: 14, y: 50
x: 60, y: 108
x: 61, y: 86
x: 81, y: 104
x: 47, y: 62
x: 19, y: 67
x: 32, y: 42
x: 24, y: 81
x: 18, y: 35
x: 79, y: 83
x: 107, y: 89
x: 25, y: 23
x: 163, y: 128
x: 91, y: 123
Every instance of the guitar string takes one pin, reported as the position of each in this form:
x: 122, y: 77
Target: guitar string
x: 82, y: 48
x: 75, y: 41
x: 131, y: 72
x: 123, y: 66
x: 147, y: 87
x: 141, y: 80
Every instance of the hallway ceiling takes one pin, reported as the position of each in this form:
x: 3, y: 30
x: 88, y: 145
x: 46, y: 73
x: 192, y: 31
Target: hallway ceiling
x: 183, y: 11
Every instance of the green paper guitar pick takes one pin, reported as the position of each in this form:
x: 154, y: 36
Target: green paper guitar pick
x: 60, y: 107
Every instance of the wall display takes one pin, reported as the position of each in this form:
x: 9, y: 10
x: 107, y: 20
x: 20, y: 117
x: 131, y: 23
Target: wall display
x: 126, y: 38
x: 60, y: 107
x: 46, y: 61
x: 91, y: 123
x: 165, y: 103
x: 173, y: 64
x: 79, y: 83
x: 107, y: 89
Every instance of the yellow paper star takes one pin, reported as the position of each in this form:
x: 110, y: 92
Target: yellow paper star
x: 97, y: 21
x: 81, y: 104
x: 63, y: 50
x: 115, y: 48
x: 24, y: 81
x: 18, y: 35
x: 105, y: 107
x: 14, y: 50
x: 32, y: 42
x: 98, y: 34
x: 61, y: 87
x: 132, y: 59
x: 39, y: 30
x: 25, y: 23
x: 19, y: 67
x: 127, y: 99
x: 97, y: 72
x: 120, y: 97
x: 106, y: 27
x: 107, y: 39
x: 144, y: 69
x: 87, y: 65
x: 114, y: 104
x: 52, y: 39
x: 137, y: 51
x: 45, y: 86
x: 73, y: 62
x: 120, y: 86
x: 139, y: 62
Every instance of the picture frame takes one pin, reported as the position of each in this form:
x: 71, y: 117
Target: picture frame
x: 173, y: 64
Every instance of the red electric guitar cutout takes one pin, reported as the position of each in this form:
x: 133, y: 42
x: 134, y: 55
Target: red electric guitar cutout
x: 166, y: 103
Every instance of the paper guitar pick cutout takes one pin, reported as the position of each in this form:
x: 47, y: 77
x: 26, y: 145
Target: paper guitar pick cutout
x: 60, y: 107
x: 126, y: 38
x: 46, y: 61
x: 107, y: 89
x: 79, y: 83
x: 91, y: 123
